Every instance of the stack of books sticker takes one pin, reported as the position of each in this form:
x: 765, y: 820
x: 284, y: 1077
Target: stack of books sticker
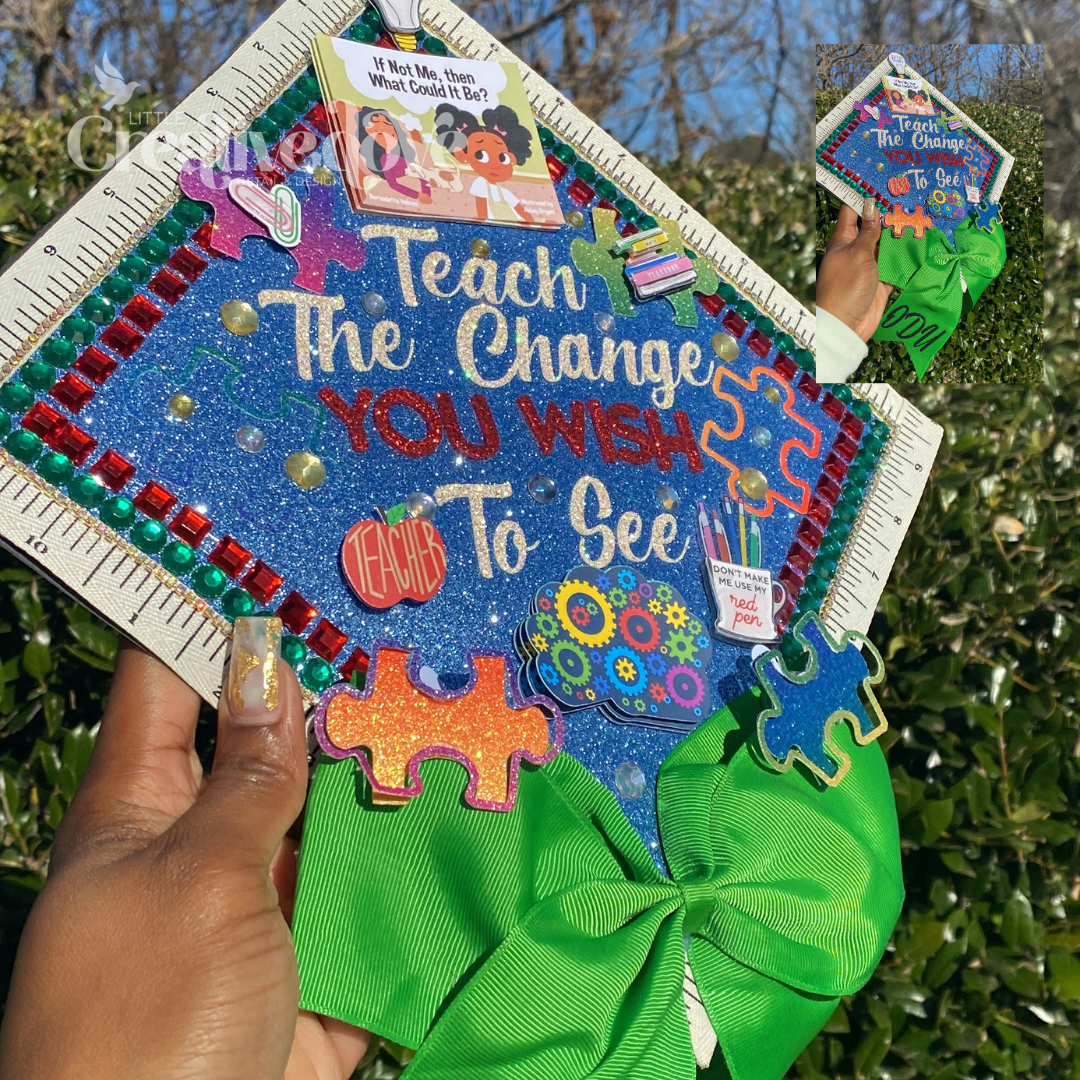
x: 656, y: 264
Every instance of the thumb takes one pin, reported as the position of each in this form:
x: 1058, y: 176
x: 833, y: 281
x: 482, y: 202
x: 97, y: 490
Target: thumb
x: 259, y: 778
x: 870, y: 230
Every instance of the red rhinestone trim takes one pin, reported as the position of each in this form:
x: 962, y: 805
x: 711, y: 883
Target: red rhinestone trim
x: 786, y: 366
x: 113, y: 470
x: 155, y: 501
x: 191, y: 526
x: 229, y: 556
x: 580, y: 192
x: 72, y: 392
x: 759, y: 343
x: 188, y: 263
x: 95, y: 365
x: 121, y: 338
x: 734, y: 324
x: 143, y: 313
x: 73, y: 442
x: 319, y: 119
x: 296, y: 612
x: 712, y: 304
x: 203, y: 236
x: 327, y: 640
x: 43, y: 420
x: 295, y: 147
x: 556, y: 169
x: 262, y: 582
x: 357, y: 663
x: 168, y: 286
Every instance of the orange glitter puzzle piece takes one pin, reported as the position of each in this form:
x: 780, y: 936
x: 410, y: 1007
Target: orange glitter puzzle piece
x: 396, y: 722
x: 900, y: 219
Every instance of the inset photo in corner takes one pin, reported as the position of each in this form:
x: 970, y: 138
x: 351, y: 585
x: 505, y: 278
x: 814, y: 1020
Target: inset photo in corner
x: 929, y: 163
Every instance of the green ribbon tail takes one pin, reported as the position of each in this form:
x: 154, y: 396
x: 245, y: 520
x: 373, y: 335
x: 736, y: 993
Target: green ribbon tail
x: 928, y: 274
x: 543, y: 944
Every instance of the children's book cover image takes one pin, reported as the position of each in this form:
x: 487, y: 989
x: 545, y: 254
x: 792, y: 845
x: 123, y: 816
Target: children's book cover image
x: 907, y: 97
x: 434, y: 137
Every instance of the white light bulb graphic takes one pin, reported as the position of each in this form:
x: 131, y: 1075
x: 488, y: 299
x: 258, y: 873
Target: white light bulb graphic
x: 402, y: 19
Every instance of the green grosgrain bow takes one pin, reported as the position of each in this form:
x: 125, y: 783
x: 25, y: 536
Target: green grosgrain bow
x: 932, y: 298
x: 543, y: 943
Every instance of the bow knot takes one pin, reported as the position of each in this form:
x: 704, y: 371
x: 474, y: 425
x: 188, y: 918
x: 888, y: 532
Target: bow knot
x: 700, y: 900
x: 943, y: 258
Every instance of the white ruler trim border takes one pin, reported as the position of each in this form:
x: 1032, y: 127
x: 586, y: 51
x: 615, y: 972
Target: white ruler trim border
x: 885, y: 514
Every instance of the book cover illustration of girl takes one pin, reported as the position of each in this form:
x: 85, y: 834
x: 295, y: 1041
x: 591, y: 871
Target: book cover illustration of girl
x: 387, y: 153
x: 492, y: 146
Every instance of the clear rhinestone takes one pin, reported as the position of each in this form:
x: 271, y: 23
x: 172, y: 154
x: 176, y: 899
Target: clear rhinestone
x: 250, y: 438
x: 420, y: 505
x: 542, y: 488
x: 630, y: 780
x: 667, y: 497
x: 374, y: 305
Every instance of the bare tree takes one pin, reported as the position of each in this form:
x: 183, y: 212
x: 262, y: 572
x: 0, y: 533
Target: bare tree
x: 40, y: 27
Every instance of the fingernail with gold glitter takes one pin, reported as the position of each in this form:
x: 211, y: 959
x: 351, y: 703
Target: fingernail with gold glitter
x: 254, y: 693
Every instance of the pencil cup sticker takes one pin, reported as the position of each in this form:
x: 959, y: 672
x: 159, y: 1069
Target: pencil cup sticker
x: 743, y: 595
x: 745, y: 600
x: 254, y: 693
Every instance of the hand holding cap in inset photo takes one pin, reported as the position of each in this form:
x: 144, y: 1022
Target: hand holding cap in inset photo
x: 848, y: 285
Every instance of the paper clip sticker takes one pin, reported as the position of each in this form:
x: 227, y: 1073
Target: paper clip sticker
x: 278, y: 210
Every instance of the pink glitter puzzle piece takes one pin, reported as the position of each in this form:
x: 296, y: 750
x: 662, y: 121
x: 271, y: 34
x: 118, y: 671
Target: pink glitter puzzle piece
x: 884, y: 119
x: 204, y: 184
x: 864, y: 106
x: 322, y: 242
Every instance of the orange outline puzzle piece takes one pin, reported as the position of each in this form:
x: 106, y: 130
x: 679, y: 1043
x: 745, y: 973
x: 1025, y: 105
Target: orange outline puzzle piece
x: 899, y: 219
x: 811, y: 449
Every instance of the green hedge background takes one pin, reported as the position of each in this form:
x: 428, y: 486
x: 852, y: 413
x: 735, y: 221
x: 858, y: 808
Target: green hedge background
x: 979, y: 626
x: 1000, y: 339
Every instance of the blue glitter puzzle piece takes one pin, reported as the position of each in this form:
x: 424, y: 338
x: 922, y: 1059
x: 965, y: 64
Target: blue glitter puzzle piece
x: 805, y: 705
x: 986, y: 215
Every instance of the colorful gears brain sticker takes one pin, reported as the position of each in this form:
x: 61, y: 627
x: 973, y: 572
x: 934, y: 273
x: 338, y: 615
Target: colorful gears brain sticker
x: 685, y: 686
x: 639, y: 628
x: 632, y: 647
x: 574, y: 617
x: 571, y: 662
x: 946, y: 204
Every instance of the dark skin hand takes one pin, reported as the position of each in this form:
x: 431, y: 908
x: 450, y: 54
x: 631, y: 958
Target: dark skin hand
x: 848, y: 286
x: 159, y: 947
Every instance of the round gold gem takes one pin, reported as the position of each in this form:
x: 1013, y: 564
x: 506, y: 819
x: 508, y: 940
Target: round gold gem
x: 575, y: 218
x: 880, y: 165
x: 324, y: 176
x: 305, y: 470
x: 772, y: 394
x: 725, y: 346
x: 480, y: 248
x: 239, y: 317
x: 182, y: 406
x: 753, y: 483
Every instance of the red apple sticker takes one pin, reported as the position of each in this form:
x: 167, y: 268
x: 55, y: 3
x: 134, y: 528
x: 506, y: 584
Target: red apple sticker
x: 385, y: 564
x: 899, y: 185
